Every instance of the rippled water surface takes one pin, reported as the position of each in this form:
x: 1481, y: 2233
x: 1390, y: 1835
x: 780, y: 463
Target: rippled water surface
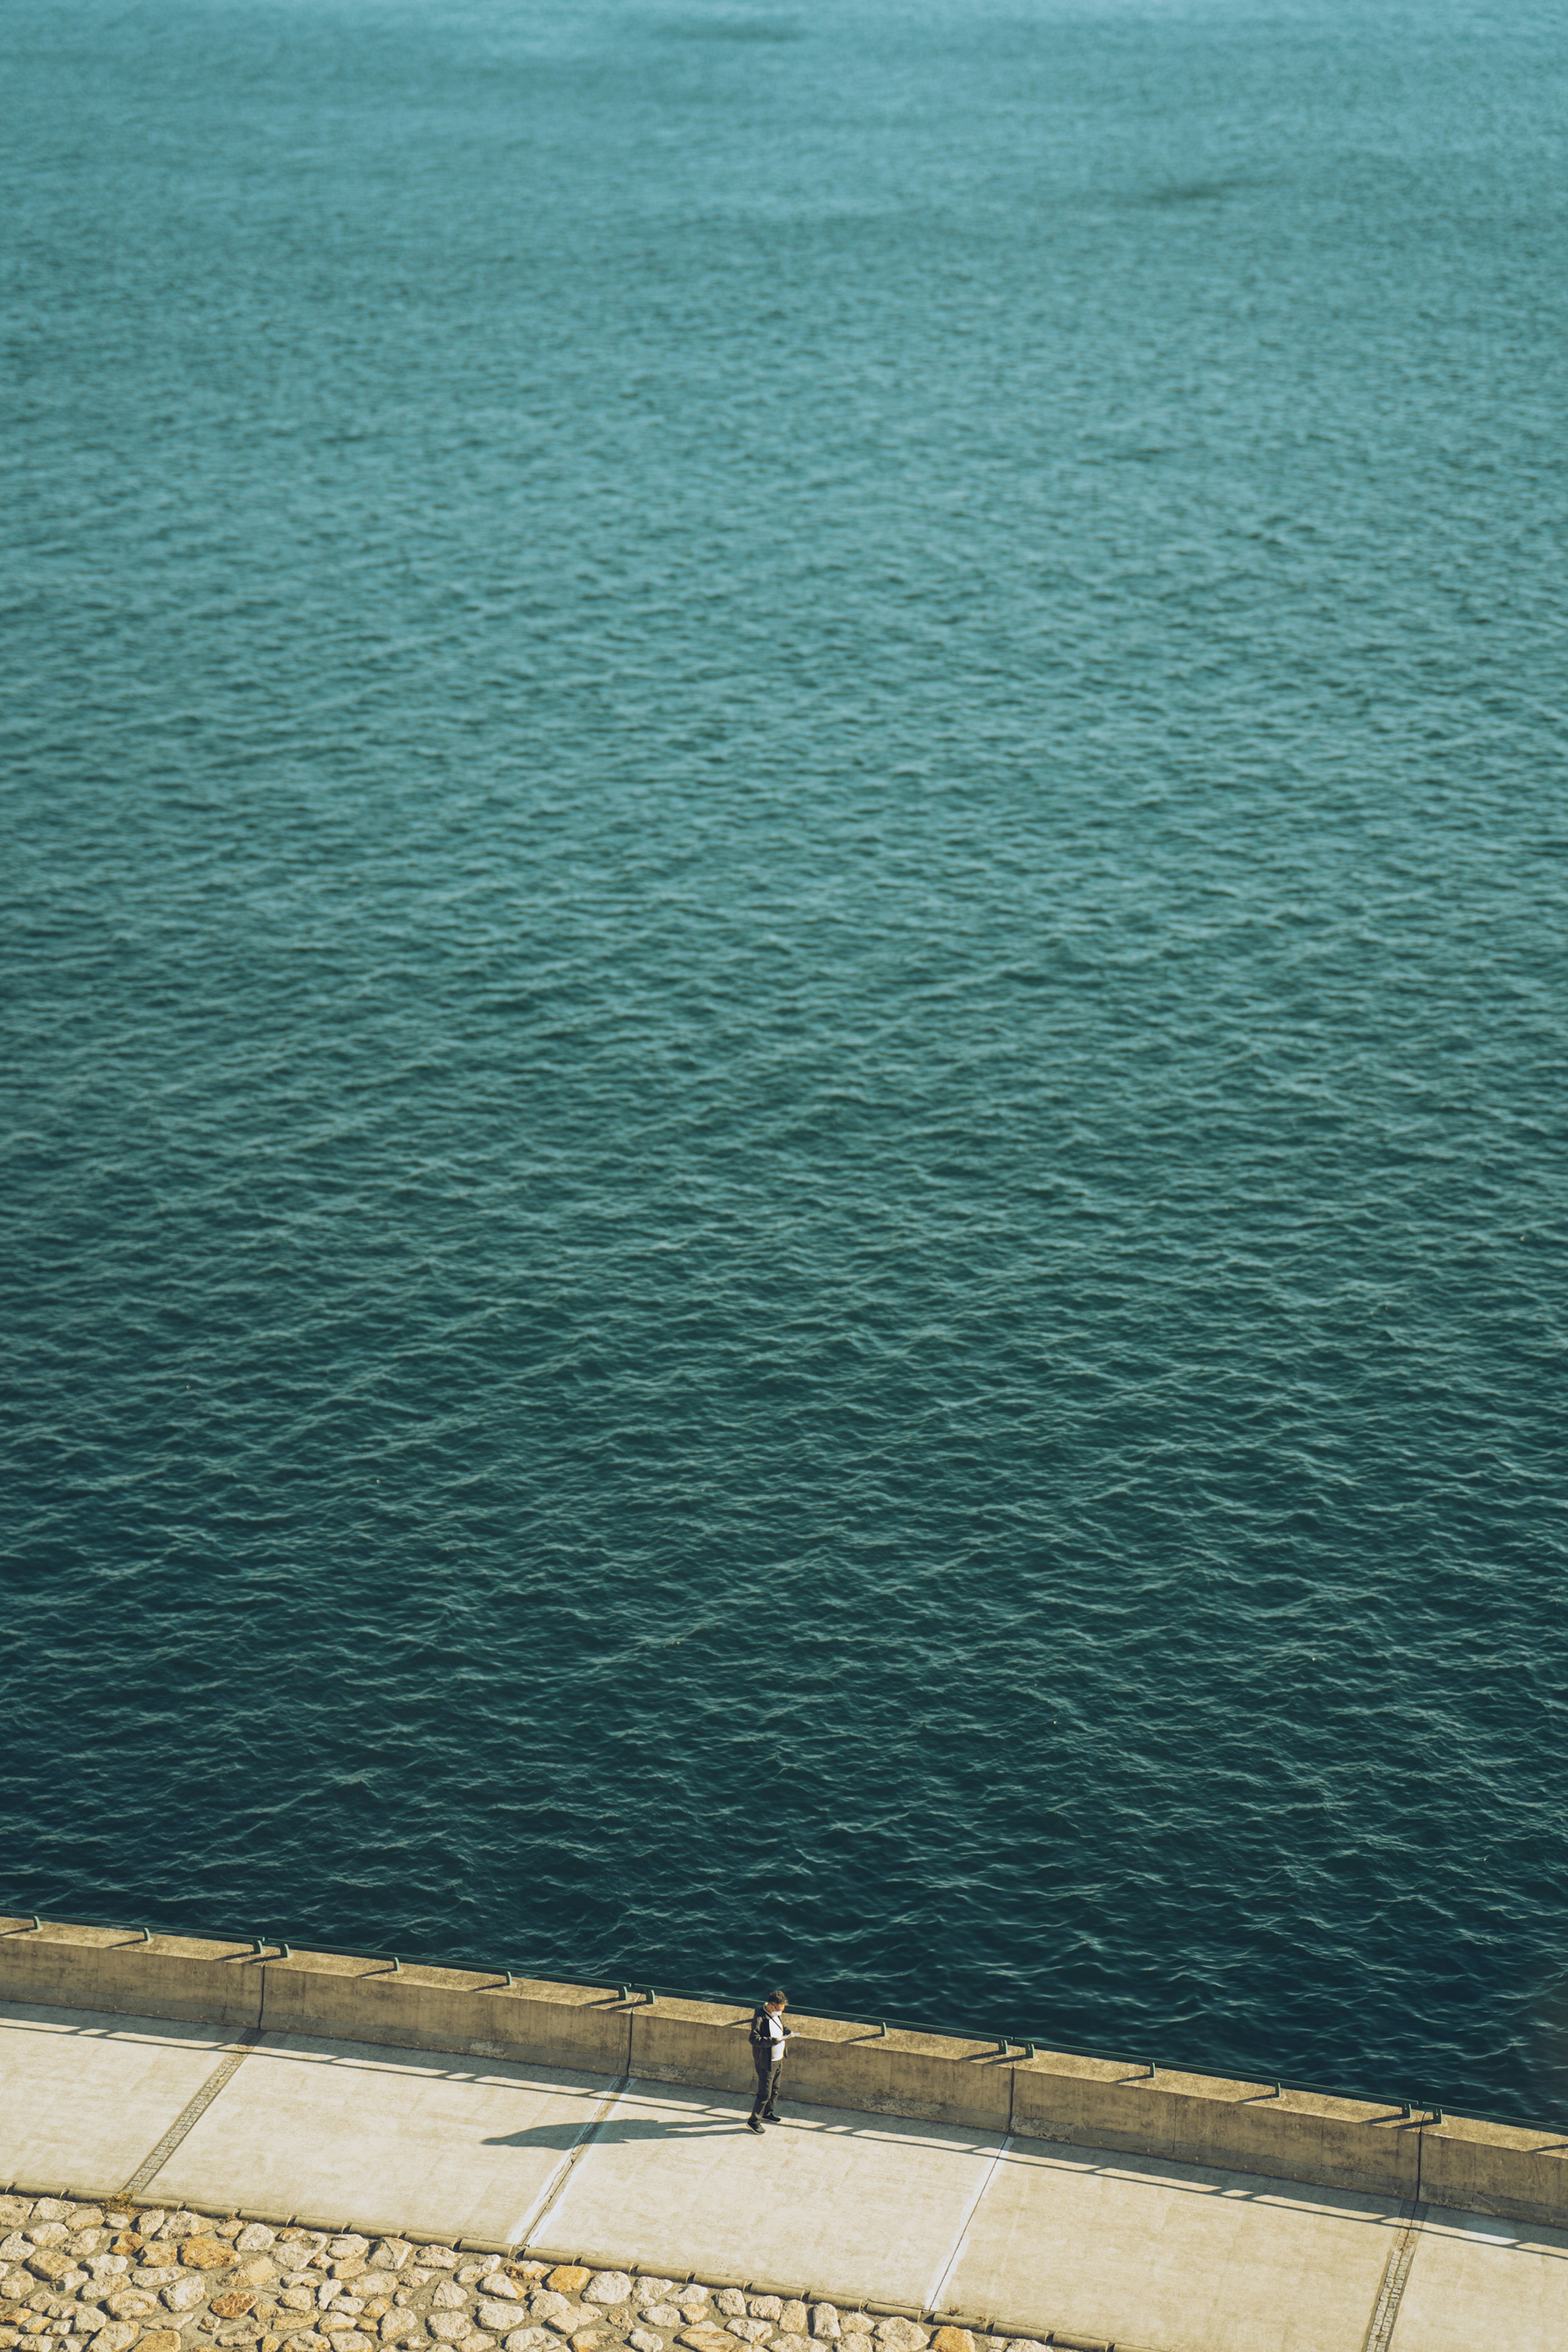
x: 785, y: 1187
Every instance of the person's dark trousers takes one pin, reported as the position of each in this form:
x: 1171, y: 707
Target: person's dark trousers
x: 767, y: 2089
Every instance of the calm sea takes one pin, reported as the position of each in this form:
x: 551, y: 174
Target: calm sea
x: 785, y: 1172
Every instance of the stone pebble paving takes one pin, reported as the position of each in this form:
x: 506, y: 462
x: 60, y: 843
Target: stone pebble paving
x: 96, y: 2278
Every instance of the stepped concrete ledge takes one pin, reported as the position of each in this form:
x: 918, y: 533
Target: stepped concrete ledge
x: 183, y: 2095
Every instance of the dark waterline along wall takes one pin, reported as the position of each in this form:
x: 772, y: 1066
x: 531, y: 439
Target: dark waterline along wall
x: 785, y: 1187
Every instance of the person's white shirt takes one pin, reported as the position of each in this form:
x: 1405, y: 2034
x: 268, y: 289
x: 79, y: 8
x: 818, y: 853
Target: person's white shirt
x: 776, y: 2029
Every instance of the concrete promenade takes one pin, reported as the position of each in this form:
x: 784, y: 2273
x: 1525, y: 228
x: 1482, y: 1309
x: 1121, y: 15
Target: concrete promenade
x: 1015, y: 2237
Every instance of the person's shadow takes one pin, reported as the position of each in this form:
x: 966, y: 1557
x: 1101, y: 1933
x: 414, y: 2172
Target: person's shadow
x: 619, y: 2130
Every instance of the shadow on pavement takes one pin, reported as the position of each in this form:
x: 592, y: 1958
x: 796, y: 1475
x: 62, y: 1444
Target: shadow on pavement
x: 618, y: 2131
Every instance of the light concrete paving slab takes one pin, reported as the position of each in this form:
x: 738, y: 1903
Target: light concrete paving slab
x: 1169, y: 2256
x: 850, y: 2205
x: 1476, y: 2282
x: 1041, y: 2238
x: 347, y: 2132
x: 84, y: 2096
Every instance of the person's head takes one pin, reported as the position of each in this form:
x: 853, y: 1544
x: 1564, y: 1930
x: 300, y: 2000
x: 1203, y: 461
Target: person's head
x: 777, y: 2002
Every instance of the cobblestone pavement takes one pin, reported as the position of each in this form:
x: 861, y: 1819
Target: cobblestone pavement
x: 95, y: 2278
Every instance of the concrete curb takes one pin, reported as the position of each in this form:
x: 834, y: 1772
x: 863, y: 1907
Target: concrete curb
x: 1514, y: 2171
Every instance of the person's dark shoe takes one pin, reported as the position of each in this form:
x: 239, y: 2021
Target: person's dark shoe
x: 752, y: 2124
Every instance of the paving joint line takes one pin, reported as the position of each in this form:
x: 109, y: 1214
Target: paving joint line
x: 553, y: 2188
x: 1395, y: 2278
x: 192, y: 2113
x: 966, y: 2224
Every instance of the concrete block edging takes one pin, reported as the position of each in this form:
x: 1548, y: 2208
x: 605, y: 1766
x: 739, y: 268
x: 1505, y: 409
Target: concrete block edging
x: 596, y: 2259
x: 1055, y: 2097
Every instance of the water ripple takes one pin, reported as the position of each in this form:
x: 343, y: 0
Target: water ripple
x: 785, y: 1187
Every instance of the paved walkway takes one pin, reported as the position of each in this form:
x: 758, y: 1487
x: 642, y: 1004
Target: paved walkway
x: 848, y: 2206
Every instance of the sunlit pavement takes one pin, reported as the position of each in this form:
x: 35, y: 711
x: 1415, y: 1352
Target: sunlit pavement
x: 1030, y: 2237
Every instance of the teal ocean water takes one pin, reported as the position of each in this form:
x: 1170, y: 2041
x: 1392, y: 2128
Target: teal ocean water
x: 783, y: 1185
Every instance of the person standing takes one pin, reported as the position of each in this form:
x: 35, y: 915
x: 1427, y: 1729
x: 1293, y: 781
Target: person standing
x: 768, y: 2034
